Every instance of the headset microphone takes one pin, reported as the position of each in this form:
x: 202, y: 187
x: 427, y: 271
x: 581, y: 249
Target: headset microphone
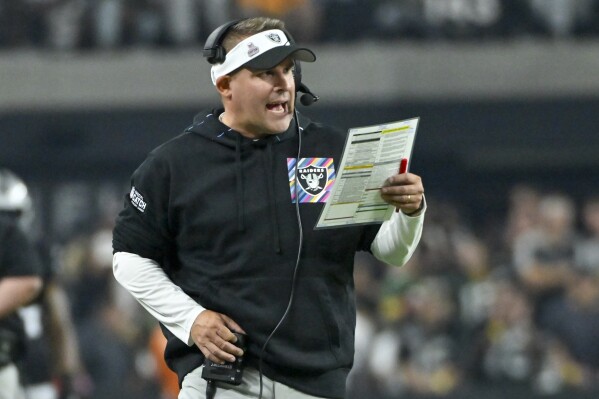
x: 308, y: 98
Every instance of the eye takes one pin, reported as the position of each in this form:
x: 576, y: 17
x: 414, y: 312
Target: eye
x: 265, y: 73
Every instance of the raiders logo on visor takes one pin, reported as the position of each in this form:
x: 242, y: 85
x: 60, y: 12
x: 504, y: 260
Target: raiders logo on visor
x: 274, y: 37
x: 312, y: 179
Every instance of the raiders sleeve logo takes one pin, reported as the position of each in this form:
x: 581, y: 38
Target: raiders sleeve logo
x: 315, y: 177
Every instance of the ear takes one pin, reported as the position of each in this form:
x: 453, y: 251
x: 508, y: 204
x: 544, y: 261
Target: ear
x: 223, y: 86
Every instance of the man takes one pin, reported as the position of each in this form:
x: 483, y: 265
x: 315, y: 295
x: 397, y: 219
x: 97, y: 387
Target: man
x: 51, y: 362
x: 212, y: 240
x: 20, y: 283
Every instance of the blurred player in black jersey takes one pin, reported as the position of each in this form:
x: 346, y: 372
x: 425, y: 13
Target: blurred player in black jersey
x: 20, y: 283
x: 50, y: 360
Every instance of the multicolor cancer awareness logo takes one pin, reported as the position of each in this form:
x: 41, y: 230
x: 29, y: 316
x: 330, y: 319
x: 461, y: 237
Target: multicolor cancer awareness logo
x: 316, y: 177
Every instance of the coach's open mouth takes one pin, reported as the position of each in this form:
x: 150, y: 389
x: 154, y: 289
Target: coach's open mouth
x: 279, y: 106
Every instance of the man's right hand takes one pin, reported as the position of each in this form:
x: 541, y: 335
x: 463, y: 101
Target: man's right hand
x: 212, y: 332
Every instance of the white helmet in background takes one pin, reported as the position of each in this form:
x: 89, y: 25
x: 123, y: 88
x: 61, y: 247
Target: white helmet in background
x: 15, y: 198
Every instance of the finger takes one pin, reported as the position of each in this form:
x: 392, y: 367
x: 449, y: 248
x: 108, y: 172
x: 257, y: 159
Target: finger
x: 218, y: 354
x: 407, y: 203
x: 229, y: 347
x: 400, y: 194
x: 232, y: 325
x: 397, y: 190
x: 402, y: 179
x: 227, y: 341
x: 212, y: 329
x: 410, y: 198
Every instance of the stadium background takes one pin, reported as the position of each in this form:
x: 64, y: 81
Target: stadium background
x: 507, y: 93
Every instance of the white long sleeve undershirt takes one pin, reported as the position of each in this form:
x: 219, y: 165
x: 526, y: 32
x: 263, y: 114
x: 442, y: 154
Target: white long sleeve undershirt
x: 398, y: 238
x: 149, y: 284
x: 395, y: 243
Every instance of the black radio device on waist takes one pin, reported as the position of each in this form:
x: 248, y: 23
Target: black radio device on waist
x: 229, y: 372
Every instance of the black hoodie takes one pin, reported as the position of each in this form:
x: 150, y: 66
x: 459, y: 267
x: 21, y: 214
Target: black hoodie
x: 215, y: 209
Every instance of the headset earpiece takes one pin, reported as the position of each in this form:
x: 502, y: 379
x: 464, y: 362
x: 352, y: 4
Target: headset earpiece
x: 213, y: 51
x: 297, y: 74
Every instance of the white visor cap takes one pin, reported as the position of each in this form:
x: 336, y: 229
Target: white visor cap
x: 264, y: 50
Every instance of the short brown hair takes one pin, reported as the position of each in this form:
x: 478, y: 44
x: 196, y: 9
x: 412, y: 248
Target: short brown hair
x: 248, y: 27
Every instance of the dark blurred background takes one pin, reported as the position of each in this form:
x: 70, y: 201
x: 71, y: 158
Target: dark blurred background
x: 507, y: 92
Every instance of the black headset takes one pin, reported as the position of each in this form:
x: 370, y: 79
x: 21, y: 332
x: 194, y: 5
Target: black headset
x: 215, y: 53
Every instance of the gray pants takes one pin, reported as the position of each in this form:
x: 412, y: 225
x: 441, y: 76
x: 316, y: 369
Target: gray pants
x: 194, y: 387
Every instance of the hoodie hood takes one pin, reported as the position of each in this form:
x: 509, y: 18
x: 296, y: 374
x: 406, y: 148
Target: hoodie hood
x: 207, y: 125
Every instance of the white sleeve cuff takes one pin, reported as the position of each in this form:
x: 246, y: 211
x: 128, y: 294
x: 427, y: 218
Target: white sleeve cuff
x: 152, y: 288
x: 398, y: 238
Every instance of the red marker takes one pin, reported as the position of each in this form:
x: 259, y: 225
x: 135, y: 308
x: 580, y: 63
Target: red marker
x: 403, y: 168
x: 403, y: 165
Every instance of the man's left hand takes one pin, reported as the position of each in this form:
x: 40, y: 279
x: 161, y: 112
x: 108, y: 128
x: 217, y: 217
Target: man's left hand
x: 404, y: 191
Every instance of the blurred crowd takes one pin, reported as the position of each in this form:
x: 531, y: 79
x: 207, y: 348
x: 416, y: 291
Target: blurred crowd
x: 113, y: 24
x: 511, y: 306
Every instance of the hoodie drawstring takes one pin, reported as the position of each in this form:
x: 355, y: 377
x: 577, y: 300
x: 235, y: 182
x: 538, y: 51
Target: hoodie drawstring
x: 271, y: 195
x: 239, y: 185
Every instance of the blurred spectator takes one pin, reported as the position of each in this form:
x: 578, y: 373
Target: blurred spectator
x: 462, y: 18
x: 111, y: 327
x: 420, y: 354
x: 562, y: 18
x: 368, y: 274
x: 507, y: 350
x: 182, y: 21
x: 587, y: 252
x: 144, y: 23
x: 108, y: 354
x: 64, y: 21
x: 437, y: 246
x: 359, y: 380
x: 215, y: 13
x: 573, y: 320
x: 544, y: 256
x: 399, y: 19
x: 393, y: 307
x: 87, y: 278
x: 476, y: 292
x: 108, y: 23
x: 523, y: 213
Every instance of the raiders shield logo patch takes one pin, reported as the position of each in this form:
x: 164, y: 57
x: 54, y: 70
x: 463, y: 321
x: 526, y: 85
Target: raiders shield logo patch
x: 315, y: 176
x: 274, y: 37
